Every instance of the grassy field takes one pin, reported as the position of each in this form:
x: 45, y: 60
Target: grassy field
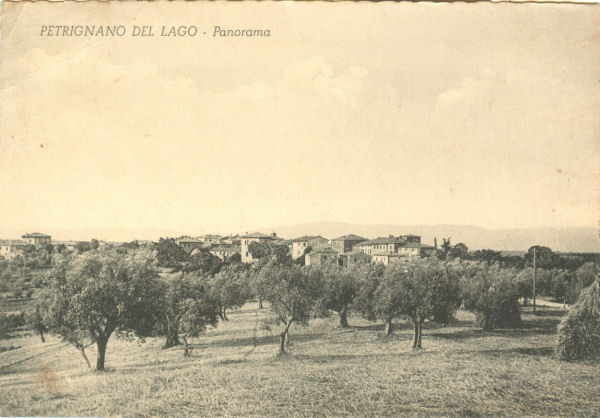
x: 234, y: 370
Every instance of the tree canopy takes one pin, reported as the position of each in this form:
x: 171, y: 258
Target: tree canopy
x: 97, y: 293
x: 187, y: 305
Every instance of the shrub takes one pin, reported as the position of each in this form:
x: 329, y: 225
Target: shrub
x: 579, y: 331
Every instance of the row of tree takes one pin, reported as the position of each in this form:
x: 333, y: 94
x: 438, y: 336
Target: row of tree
x: 87, y: 298
x: 421, y: 290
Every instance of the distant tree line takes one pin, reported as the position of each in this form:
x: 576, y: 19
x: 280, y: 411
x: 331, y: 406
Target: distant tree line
x: 560, y: 276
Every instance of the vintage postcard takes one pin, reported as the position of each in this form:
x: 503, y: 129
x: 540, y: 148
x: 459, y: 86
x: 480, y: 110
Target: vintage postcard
x: 299, y: 209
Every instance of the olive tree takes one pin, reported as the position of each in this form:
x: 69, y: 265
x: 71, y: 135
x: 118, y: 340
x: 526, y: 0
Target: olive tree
x: 446, y: 297
x: 340, y: 286
x: 231, y: 288
x: 169, y: 254
x: 492, y: 294
x: 202, y: 261
x: 98, y: 293
x: 524, y: 282
x: 369, y: 278
x: 188, y: 306
x: 292, y: 292
x: 389, y: 297
x: 417, y: 290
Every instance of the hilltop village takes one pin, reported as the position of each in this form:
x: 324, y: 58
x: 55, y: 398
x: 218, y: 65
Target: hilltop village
x: 313, y: 249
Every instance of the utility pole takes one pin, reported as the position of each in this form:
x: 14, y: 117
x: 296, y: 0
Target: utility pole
x: 534, y: 257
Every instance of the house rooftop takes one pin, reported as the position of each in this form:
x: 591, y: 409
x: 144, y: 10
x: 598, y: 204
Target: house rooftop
x: 349, y: 237
x: 306, y: 238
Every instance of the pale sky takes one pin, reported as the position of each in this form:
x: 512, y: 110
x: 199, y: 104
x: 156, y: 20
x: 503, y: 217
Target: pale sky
x: 479, y: 114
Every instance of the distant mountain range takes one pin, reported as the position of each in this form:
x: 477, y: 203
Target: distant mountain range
x: 572, y: 239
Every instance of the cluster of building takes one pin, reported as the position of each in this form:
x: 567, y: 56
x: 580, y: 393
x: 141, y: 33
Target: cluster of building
x: 11, y: 247
x: 346, y: 250
x: 227, y: 246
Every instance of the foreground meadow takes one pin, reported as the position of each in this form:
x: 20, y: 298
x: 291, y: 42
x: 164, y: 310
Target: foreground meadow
x: 234, y: 370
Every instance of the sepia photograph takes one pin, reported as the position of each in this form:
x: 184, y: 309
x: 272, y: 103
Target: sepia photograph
x: 272, y: 209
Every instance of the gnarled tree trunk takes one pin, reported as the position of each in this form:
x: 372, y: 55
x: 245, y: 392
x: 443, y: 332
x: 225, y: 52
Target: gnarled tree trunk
x: 484, y: 320
x: 415, y: 334
x: 172, y: 336
x: 389, y: 327
x: 101, y: 343
x: 282, y: 342
x: 222, y: 313
x: 344, y: 318
x: 284, y: 337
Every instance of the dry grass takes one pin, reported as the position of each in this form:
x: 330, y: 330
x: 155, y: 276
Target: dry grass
x: 329, y: 371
